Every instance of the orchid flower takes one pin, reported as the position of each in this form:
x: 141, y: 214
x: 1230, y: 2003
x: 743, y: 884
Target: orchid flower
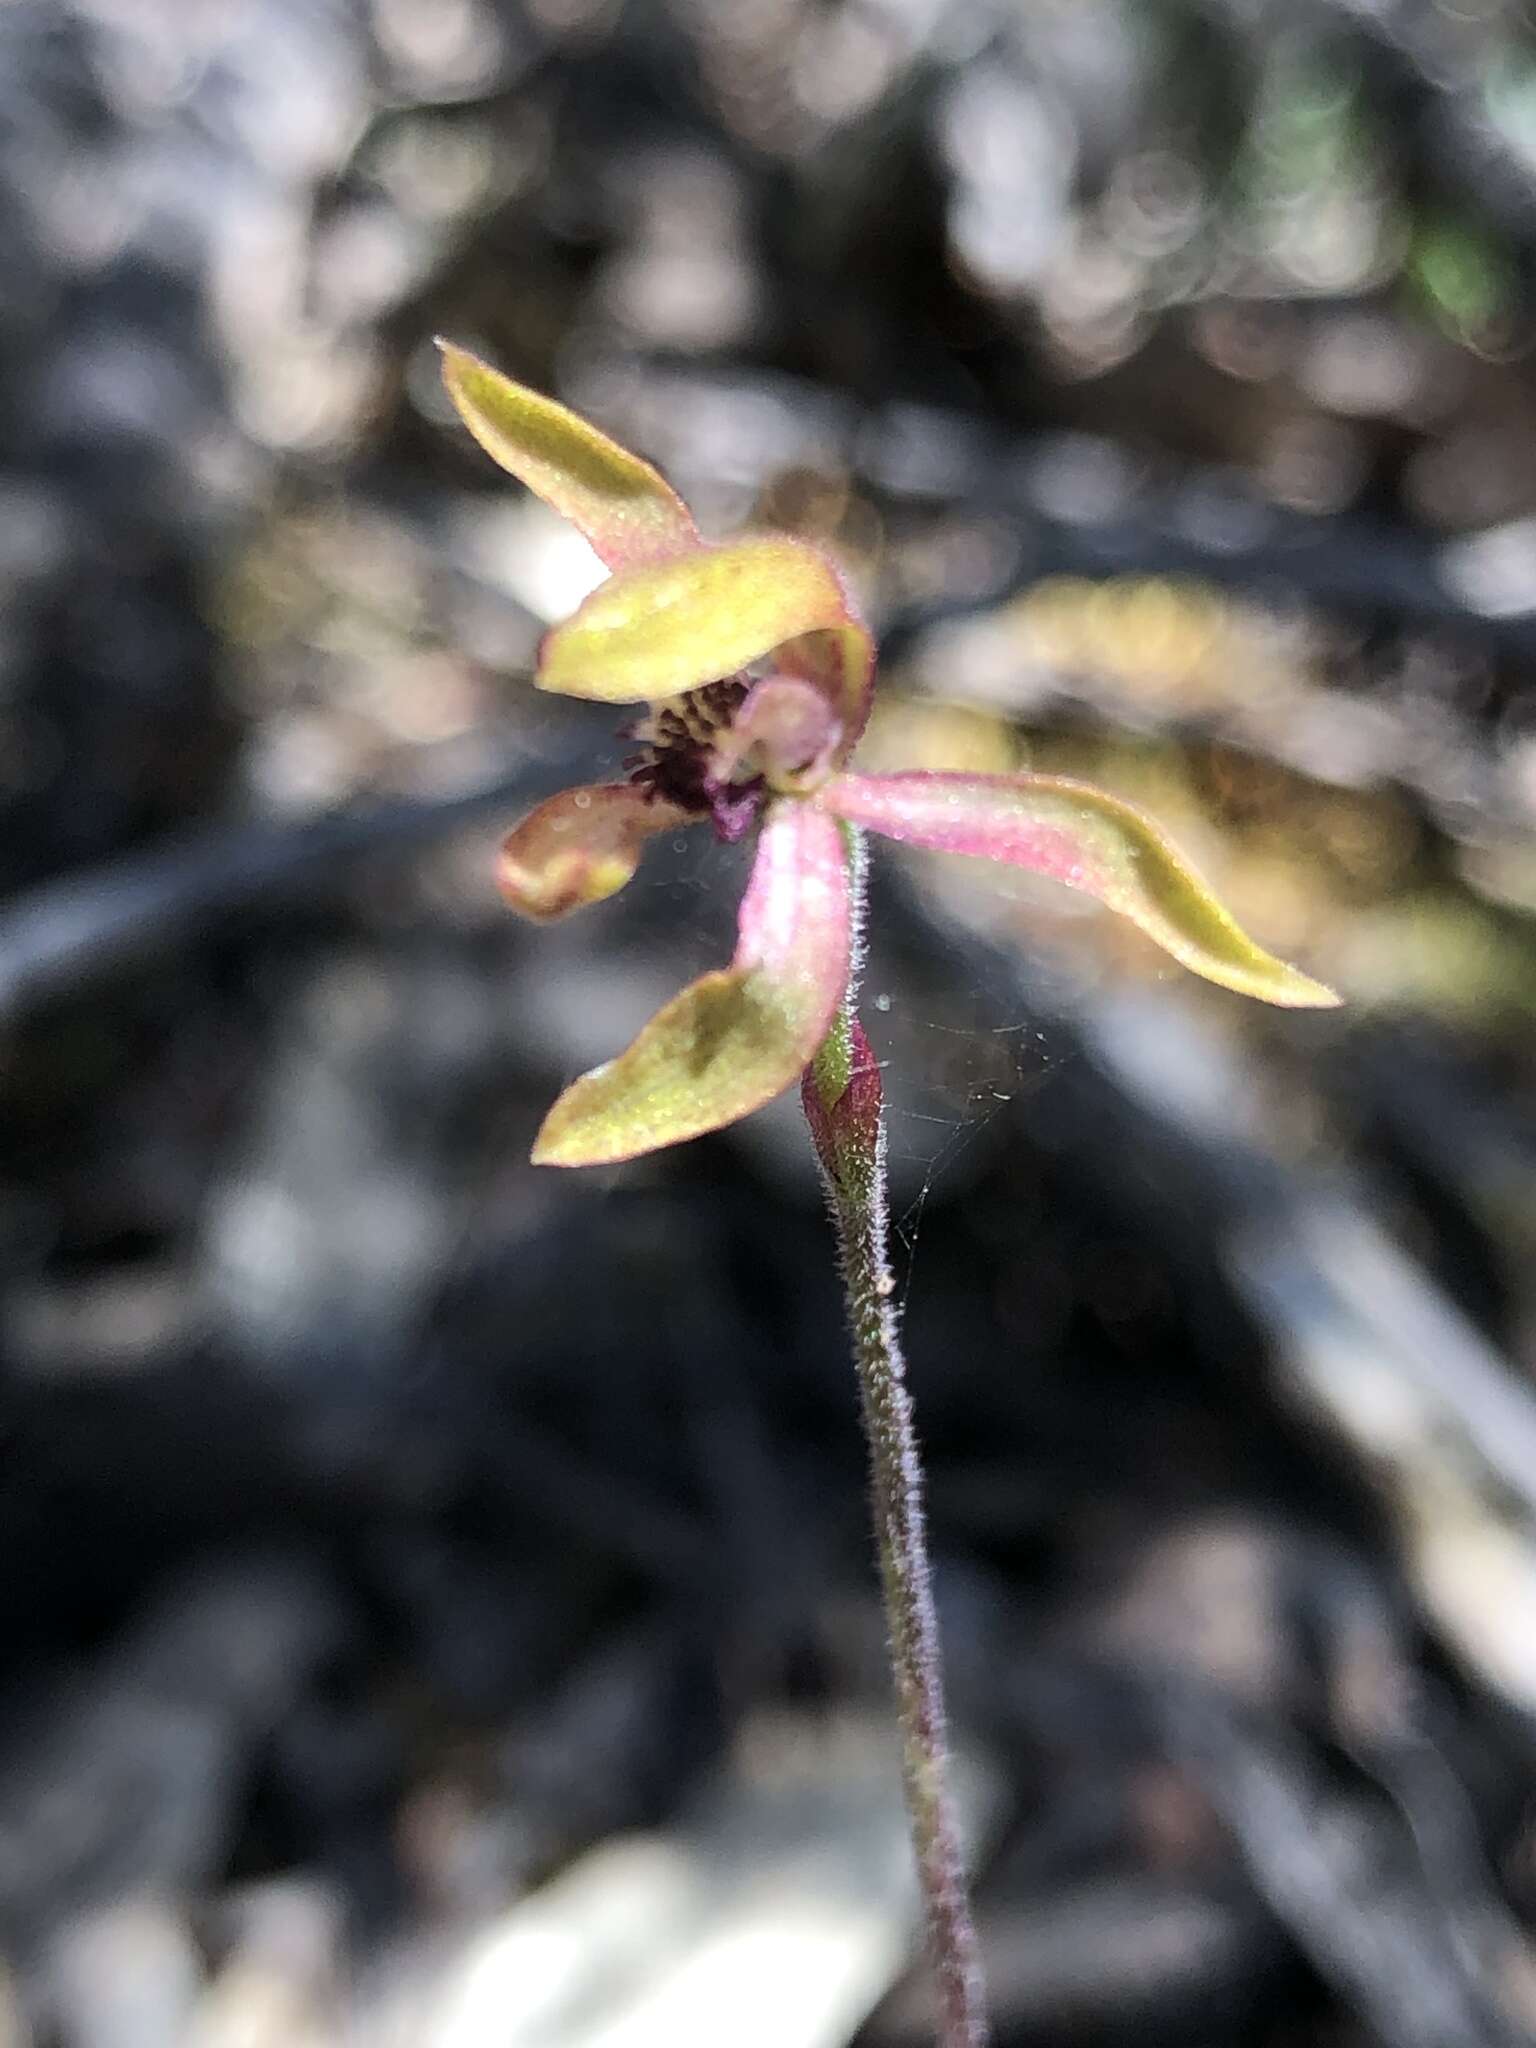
x: 756, y: 672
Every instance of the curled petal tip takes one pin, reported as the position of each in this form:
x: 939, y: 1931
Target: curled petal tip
x: 1294, y: 990
x: 579, y: 847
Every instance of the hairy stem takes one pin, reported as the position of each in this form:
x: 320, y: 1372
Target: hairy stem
x: 844, y: 1106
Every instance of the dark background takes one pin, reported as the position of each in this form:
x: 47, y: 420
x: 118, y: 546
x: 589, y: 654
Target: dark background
x: 397, y: 1543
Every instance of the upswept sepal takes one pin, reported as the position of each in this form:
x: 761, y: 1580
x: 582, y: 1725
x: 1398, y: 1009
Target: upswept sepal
x: 626, y: 510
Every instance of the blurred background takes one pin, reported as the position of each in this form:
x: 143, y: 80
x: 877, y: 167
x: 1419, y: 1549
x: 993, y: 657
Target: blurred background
x: 437, y: 1604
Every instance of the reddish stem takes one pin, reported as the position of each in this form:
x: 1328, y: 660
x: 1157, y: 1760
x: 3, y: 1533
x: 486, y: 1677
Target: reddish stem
x: 844, y: 1106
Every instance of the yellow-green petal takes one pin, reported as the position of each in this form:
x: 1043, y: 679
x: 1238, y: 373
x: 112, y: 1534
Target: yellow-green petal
x: 736, y: 1038
x: 626, y: 509
x: 1089, y: 840
x: 658, y: 631
x: 580, y: 847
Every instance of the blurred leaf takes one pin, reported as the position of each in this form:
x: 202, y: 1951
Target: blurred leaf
x: 1464, y: 274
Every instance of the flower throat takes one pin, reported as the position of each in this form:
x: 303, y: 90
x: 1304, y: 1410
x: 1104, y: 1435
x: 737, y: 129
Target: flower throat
x: 677, y: 763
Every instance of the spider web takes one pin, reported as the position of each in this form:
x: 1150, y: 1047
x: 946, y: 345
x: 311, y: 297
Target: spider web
x: 957, y: 1071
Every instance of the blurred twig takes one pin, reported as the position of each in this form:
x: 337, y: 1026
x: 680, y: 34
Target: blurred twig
x: 63, y: 934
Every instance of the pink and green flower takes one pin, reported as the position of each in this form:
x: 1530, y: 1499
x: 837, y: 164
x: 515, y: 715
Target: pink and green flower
x: 757, y: 672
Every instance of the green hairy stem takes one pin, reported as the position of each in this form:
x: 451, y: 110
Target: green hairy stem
x: 844, y: 1106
